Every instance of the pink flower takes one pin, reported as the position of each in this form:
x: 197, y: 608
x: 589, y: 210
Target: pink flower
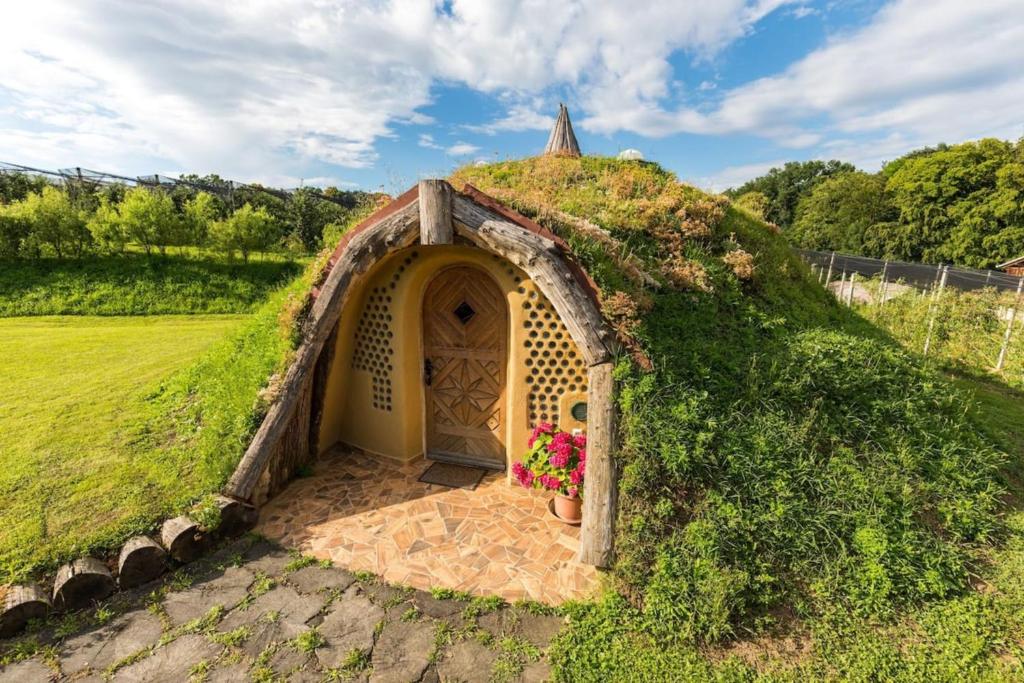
x: 576, y: 476
x: 561, y: 444
x: 522, y: 474
x: 583, y: 455
x: 559, y: 460
x: 542, y: 428
x: 550, y: 482
x: 518, y: 470
x: 572, y: 492
x: 580, y: 440
x: 582, y: 467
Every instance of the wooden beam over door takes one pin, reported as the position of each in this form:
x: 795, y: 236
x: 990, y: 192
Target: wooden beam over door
x: 436, y: 212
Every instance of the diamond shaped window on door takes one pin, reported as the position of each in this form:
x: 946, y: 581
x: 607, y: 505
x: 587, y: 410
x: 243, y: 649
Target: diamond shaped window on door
x: 464, y: 312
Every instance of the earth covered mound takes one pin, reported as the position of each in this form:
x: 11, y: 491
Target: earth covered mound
x: 780, y: 458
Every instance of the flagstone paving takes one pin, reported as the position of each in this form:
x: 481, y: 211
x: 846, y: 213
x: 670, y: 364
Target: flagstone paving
x: 293, y: 619
x: 368, y: 513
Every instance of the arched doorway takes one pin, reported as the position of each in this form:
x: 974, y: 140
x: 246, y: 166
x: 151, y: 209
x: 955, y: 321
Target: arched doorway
x: 465, y: 349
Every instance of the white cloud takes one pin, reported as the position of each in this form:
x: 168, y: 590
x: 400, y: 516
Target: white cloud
x: 427, y: 140
x: 239, y: 87
x: 519, y: 117
x: 279, y: 86
x: 733, y: 176
x: 461, y: 149
x: 931, y: 69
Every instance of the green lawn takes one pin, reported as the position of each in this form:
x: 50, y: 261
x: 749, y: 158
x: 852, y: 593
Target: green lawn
x: 135, y: 284
x: 74, y: 472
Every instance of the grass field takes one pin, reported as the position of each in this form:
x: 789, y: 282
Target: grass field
x: 135, y: 284
x: 73, y: 390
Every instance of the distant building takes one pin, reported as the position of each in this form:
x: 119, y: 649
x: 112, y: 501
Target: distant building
x: 631, y: 155
x: 1013, y: 266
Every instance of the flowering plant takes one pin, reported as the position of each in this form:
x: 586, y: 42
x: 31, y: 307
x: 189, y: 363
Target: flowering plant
x: 556, y: 462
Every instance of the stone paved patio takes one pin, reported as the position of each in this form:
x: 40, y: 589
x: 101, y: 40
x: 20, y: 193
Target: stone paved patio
x: 254, y: 612
x: 367, y: 513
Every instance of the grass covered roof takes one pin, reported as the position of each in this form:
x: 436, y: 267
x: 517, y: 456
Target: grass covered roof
x: 781, y: 459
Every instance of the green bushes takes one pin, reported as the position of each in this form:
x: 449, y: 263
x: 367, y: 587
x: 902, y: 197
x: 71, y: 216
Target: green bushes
x: 42, y: 220
x: 247, y: 230
x: 968, y: 331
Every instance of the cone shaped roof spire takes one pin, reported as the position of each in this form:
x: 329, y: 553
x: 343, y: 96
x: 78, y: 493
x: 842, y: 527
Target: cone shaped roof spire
x: 562, y: 140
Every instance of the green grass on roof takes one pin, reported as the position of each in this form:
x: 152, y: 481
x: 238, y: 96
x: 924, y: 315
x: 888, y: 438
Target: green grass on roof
x: 782, y: 460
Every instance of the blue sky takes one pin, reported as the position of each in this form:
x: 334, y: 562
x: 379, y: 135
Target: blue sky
x: 378, y: 94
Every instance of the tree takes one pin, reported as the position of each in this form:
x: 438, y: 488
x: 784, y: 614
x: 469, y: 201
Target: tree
x: 841, y: 214
x: 962, y: 203
x: 754, y: 202
x: 785, y: 187
x: 16, y: 186
x: 15, y: 229
x: 247, y: 230
x: 309, y: 213
x: 107, y: 228
x: 149, y: 218
x: 200, y: 212
x: 54, y: 221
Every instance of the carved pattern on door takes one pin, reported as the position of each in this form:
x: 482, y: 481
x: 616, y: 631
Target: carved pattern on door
x: 465, y: 332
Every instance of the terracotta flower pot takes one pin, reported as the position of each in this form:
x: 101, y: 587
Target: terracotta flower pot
x: 569, y: 510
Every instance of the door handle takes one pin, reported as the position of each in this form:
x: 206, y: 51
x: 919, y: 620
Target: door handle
x: 428, y: 371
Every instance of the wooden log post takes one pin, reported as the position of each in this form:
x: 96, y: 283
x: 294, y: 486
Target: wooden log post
x: 831, y: 264
x: 933, y: 309
x: 19, y: 605
x: 883, y: 287
x: 600, y: 492
x: 436, y: 212
x: 236, y: 517
x: 81, y: 583
x: 182, y: 538
x: 1009, y: 327
x: 141, y: 560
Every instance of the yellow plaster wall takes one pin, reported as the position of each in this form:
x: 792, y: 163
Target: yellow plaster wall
x: 374, y: 396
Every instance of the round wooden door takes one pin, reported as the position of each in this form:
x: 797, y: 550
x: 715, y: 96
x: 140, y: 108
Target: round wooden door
x: 465, y: 331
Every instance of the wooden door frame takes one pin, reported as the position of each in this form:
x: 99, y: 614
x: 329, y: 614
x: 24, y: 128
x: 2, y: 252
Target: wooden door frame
x: 422, y: 349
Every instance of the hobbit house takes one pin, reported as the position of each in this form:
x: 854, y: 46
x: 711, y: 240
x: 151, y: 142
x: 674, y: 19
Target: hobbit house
x: 446, y: 327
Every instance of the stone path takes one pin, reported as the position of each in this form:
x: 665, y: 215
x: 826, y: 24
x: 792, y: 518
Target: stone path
x: 254, y: 612
x: 371, y: 514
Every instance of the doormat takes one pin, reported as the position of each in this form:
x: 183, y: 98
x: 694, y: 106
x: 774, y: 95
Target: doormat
x: 455, y: 476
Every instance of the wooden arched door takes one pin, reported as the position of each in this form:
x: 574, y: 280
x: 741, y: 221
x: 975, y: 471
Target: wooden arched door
x: 465, y: 332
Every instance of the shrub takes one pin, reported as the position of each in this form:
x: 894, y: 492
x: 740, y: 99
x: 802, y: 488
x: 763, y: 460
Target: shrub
x: 247, y: 230
x: 148, y: 218
x: 55, y: 222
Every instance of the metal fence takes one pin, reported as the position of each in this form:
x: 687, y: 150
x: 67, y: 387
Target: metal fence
x: 225, y: 189
x: 965, y: 317
x: 919, y: 275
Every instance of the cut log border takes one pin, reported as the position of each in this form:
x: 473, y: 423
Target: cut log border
x: 88, y: 580
x: 432, y: 213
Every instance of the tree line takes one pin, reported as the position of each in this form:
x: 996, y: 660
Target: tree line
x: 961, y: 204
x: 41, y: 219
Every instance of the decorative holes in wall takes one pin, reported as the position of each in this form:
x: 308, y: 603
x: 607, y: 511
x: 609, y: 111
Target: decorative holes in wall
x: 553, y: 363
x: 374, y: 349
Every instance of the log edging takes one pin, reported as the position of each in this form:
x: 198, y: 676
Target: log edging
x: 88, y: 580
